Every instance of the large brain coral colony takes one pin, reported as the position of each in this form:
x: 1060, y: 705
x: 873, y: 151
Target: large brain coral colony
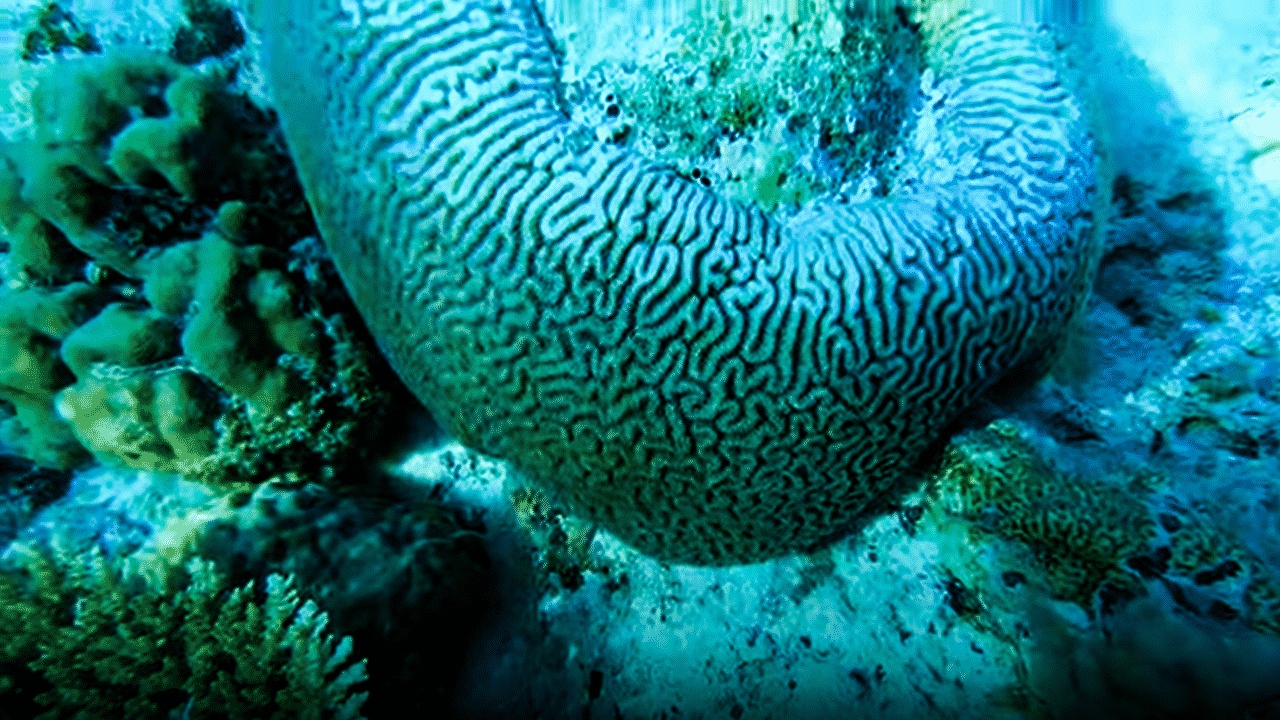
x: 154, y: 313
x: 710, y: 383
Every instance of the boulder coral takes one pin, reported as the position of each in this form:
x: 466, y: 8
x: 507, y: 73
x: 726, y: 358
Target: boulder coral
x: 710, y: 383
x: 33, y: 323
x: 154, y: 314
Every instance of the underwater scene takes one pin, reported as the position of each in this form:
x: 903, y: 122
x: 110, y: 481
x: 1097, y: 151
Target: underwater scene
x: 672, y: 359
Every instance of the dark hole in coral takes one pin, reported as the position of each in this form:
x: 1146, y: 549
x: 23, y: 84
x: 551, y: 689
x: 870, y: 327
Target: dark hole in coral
x: 1222, y: 611
x: 1223, y: 571
x: 223, y: 661
x: 1147, y: 566
x: 612, y: 111
x: 614, y: 585
x: 1180, y: 597
x: 1184, y: 201
x: 1126, y: 195
x: 961, y: 599
x: 595, y: 684
x: 1111, y: 596
x: 1068, y: 429
x: 910, y: 515
x: 173, y: 699
x: 153, y: 105
x: 1157, y: 442
x: 1242, y: 444
x: 152, y: 179
x: 1132, y: 307
x: 864, y: 684
x: 1169, y: 522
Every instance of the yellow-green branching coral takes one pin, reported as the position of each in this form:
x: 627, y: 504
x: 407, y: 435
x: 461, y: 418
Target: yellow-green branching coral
x: 92, y: 643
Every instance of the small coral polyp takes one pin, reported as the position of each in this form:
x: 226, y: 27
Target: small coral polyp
x: 148, y: 316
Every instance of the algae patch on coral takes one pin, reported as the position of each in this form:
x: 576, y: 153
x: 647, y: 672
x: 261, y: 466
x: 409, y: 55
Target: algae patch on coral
x: 770, y: 113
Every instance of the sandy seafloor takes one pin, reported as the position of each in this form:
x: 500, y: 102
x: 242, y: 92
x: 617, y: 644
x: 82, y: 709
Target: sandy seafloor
x: 884, y: 624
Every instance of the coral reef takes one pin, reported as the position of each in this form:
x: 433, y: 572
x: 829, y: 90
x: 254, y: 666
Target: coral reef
x: 1080, y: 530
x: 559, y: 543
x: 55, y: 31
x: 392, y: 567
x: 401, y: 575
x: 207, y: 339
x: 24, y: 489
x: 211, y: 30
x: 83, y: 641
x: 33, y: 321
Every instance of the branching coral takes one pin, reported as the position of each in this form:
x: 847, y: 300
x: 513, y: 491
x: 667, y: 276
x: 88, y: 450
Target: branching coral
x: 398, y: 576
x: 102, y: 648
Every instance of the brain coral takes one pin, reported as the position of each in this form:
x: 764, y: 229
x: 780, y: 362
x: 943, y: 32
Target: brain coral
x: 710, y: 383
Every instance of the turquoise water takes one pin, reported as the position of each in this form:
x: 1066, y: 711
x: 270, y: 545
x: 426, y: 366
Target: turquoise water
x: 1085, y: 527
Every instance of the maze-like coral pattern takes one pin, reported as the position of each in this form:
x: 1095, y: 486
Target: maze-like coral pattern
x: 712, y: 384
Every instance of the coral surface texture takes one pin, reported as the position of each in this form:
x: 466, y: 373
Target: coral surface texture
x: 712, y: 384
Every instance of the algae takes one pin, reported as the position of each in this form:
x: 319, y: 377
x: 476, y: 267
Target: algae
x: 775, y: 114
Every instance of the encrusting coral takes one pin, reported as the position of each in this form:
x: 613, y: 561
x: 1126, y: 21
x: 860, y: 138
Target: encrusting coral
x: 150, y: 314
x: 1098, y: 540
x: 1081, y: 531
